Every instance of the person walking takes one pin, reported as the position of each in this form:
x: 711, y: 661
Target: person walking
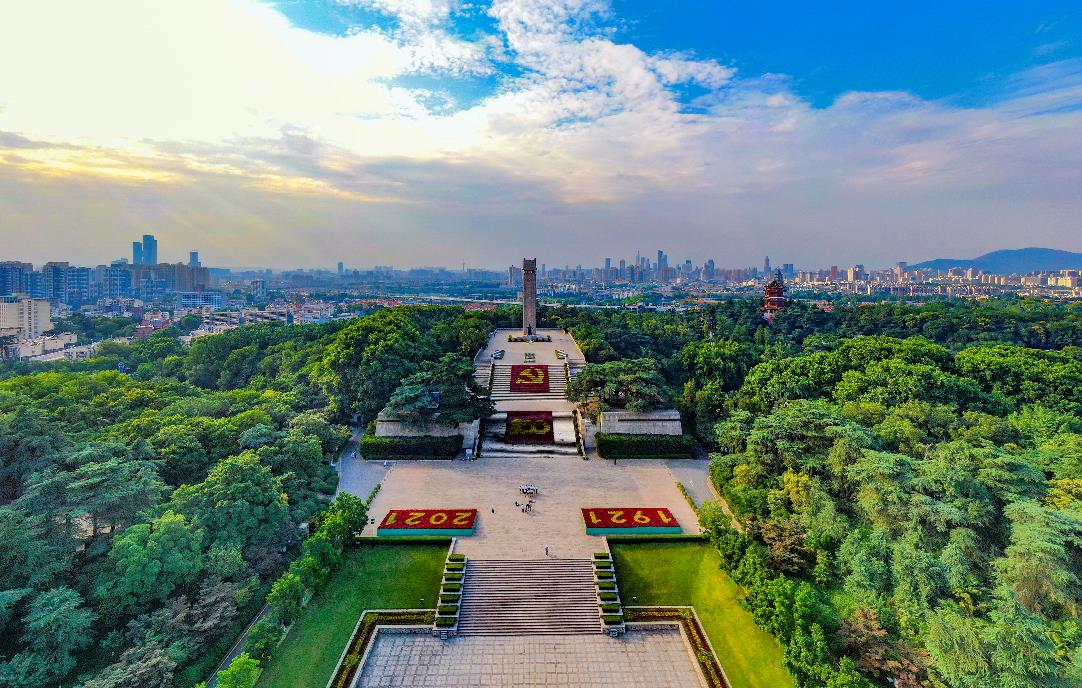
x: 546, y: 550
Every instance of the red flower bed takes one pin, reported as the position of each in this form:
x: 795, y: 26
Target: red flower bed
x: 630, y: 517
x: 429, y: 519
x: 529, y: 427
x: 529, y: 378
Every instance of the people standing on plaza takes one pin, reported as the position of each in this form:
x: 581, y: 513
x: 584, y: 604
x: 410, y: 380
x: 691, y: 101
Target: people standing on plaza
x: 546, y: 550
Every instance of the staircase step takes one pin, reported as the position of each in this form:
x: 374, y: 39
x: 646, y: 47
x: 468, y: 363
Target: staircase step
x: 529, y: 597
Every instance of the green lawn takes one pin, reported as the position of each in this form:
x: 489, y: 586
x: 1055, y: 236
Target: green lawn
x: 372, y: 576
x: 687, y: 573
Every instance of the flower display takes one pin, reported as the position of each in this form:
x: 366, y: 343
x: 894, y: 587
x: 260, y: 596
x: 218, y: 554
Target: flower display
x: 399, y: 522
x: 630, y: 521
x: 529, y: 427
x: 529, y: 378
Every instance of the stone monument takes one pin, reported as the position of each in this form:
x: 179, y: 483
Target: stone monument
x: 529, y: 296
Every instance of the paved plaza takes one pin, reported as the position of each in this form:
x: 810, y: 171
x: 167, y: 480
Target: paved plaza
x: 567, y: 484
x: 655, y: 658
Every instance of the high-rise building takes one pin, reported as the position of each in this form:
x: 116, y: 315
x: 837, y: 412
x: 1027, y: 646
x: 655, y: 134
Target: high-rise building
x: 766, y: 266
x: 341, y: 268
x: 193, y: 259
x: 78, y: 286
x: 15, y: 277
x: 24, y: 317
x: 54, y: 277
x: 150, y: 250
x: 136, y: 253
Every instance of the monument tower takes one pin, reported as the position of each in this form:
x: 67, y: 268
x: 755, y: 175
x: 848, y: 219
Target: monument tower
x: 529, y: 296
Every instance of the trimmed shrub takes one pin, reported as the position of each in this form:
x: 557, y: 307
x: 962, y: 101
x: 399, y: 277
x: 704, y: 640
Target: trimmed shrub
x: 608, y: 596
x: 612, y: 619
x: 409, y: 448
x: 606, y: 585
x: 621, y: 446
x: 452, y: 587
x: 454, y: 566
x: 456, y: 557
x: 449, y: 597
x: 605, y: 575
x: 610, y: 608
x: 601, y: 555
x: 453, y: 576
x: 446, y: 621
x: 446, y: 609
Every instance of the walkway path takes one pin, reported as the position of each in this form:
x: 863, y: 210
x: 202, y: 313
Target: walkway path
x: 567, y: 485
x: 639, y: 659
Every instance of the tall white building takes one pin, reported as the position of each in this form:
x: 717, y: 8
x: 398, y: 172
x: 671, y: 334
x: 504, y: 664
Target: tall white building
x: 24, y: 317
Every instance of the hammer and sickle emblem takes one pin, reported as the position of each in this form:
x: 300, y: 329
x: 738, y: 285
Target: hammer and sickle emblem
x: 532, y: 376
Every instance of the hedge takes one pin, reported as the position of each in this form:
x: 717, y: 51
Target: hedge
x: 608, y: 596
x: 456, y: 557
x: 612, y: 619
x: 449, y: 597
x: 606, y: 585
x: 410, y: 448
x: 601, y: 555
x: 621, y: 446
x: 446, y: 621
x: 604, y: 575
x: 660, y: 537
x: 455, y: 566
x: 452, y: 587
x: 447, y: 609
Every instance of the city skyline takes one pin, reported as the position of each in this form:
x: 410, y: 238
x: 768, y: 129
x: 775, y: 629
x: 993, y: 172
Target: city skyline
x: 420, y: 133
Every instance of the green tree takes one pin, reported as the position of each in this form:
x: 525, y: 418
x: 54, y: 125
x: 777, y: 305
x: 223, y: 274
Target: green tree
x: 444, y: 392
x: 151, y: 560
x: 242, y: 672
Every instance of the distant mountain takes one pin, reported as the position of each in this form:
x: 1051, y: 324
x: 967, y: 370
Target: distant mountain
x: 1010, y: 261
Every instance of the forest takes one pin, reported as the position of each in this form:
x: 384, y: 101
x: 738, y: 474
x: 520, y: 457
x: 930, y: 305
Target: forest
x: 147, y: 515
x: 902, y: 483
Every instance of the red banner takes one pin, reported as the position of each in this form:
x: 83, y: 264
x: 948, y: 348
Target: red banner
x: 529, y: 378
x: 429, y: 519
x: 633, y: 517
x: 529, y: 427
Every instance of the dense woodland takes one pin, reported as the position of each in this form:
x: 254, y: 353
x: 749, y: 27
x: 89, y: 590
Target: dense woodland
x: 145, y: 515
x: 907, y: 479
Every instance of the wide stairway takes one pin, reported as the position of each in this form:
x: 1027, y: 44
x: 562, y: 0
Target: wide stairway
x: 501, y: 385
x: 529, y: 597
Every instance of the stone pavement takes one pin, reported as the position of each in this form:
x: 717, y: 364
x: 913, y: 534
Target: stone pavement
x: 655, y: 658
x: 567, y: 484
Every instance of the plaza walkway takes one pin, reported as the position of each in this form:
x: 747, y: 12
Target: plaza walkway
x: 640, y: 659
x: 567, y: 484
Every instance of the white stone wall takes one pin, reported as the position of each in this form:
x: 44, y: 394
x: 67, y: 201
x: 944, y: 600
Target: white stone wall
x: 660, y: 422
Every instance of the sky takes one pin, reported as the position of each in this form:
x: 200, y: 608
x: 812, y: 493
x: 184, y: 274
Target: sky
x: 299, y: 133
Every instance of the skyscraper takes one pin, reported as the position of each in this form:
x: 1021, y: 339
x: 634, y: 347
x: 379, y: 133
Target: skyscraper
x: 150, y: 250
x: 136, y: 253
x: 766, y: 266
x: 193, y: 259
x: 341, y: 268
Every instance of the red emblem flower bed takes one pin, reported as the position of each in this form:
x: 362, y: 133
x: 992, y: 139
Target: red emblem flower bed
x: 631, y: 521
x: 529, y: 427
x: 428, y: 522
x: 529, y: 378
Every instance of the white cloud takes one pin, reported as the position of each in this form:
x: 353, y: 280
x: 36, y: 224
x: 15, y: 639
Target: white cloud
x: 593, y: 134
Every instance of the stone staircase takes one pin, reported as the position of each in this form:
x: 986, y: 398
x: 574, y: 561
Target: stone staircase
x: 529, y: 597
x: 481, y: 373
x: 501, y: 385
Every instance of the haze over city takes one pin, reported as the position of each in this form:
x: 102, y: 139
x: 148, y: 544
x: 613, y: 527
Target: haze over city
x: 427, y: 133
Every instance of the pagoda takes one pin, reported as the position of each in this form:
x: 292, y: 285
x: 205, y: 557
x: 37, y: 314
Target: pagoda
x: 774, y: 297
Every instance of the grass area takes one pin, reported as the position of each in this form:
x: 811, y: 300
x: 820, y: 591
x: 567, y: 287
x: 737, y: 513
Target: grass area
x: 373, y: 576
x: 687, y: 573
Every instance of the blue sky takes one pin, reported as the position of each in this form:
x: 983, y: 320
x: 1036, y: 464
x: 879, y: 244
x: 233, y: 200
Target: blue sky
x: 961, y: 50
x: 280, y: 132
